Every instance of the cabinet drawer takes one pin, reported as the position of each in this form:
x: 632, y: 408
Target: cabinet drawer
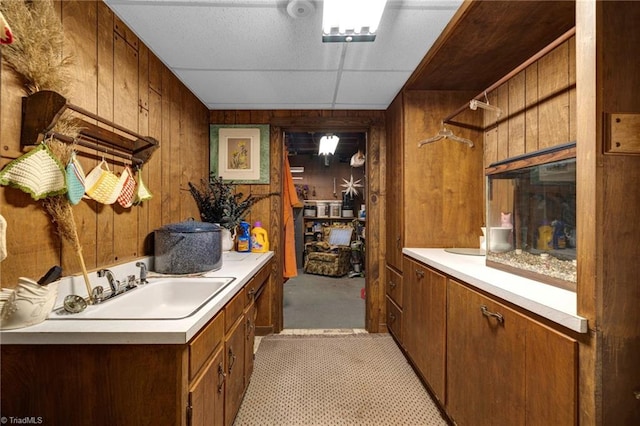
x: 204, y: 344
x: 234, y: 309
x: 254, y: 286
x: 394, y: 319
x: 394, y: 286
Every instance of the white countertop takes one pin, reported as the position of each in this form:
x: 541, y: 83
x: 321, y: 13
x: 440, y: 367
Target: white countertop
x: 553, y: 303
x: 241, y: 266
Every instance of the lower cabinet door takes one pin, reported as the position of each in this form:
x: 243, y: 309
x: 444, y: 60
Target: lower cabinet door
x: 206, y: 395
x: 234, y: 367
x: 394, y: 319
x: 485, y: 360
x: 250, y: 333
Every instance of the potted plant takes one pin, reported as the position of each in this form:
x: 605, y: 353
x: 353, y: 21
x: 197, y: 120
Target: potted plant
x: 218, y: 202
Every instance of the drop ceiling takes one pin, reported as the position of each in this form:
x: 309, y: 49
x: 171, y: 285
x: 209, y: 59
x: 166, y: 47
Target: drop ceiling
x: 251, y: 54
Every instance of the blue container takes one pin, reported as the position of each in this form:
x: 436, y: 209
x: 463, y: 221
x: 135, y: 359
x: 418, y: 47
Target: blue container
x: 244, y: 238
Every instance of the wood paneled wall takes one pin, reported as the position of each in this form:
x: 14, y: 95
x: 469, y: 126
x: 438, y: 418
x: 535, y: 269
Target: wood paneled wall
x: 443, y: 180
x: 320, y: 178
x: 538, y: 107
x: 608, y: 268
x: 117, y: 77
x: 270, y: 212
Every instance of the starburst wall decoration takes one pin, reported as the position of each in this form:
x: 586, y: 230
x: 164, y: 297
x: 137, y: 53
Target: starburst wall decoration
x: 351, y: 186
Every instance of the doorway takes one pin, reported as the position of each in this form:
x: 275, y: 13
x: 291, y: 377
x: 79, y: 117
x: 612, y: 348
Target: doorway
x: 333, y: 190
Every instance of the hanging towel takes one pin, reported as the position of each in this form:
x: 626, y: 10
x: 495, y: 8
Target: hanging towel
x: 290, y: 200
x: 3, y: 238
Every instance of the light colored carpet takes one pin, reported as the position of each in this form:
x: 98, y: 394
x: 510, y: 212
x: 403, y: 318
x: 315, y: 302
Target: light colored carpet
x: 334, y: 379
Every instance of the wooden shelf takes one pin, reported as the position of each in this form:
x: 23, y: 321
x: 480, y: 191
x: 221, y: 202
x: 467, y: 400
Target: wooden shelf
x: 42, y: 110
x: 320, y: 219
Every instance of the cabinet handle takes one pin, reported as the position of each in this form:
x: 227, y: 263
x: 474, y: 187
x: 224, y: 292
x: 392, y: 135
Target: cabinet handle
x: 419, y: 273
x: 398, y: 242
x: 221, y: 377
x: 392, y: 318
x: 249, y: 328
x: 487, y: 313
x: 251, y: 292
x: 636, y: 394
x: 232, y: 359
x: 392, y: 284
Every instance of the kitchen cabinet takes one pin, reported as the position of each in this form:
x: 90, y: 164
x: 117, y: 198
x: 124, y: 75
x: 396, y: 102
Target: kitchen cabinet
x: 206, y: 395
x: 504, y: 367
x: 234, y: 368
x: 424, y: 322
x: 394, y: 320
x: 394, y: 179
x: 250, y: 315
x: 485, y: 360
x: 198, y: 383
x: 393, y: 290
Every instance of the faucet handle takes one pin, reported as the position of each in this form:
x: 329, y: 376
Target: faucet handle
x: 131, y: 282
x: 97, y: 294
x: 143, y: 272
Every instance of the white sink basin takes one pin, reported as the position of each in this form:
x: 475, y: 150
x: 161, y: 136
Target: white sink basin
x: 159, y: 299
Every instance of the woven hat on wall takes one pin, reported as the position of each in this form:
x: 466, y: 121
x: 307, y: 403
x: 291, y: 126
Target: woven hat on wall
x: 75, y: 180
x: 127, y: 195
x: 38, y: 173
x: 102, y: 184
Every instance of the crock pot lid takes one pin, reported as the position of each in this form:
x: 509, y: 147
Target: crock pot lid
x: 191, y: 226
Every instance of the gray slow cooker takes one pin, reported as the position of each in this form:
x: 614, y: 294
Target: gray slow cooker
x: 187, y: 247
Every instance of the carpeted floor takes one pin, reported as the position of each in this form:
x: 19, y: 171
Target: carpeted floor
x: 355, y: 379
x: 318, y: 302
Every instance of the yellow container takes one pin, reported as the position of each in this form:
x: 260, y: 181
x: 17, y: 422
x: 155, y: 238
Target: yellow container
x: 259, y: 239
x: 545, y: 237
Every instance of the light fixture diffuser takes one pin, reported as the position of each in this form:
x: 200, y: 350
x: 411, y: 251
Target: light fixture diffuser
x: 351, y: 20
x: 328, y: 145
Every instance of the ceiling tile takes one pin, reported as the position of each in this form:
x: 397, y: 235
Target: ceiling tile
x: 250, y: 54
x: 258, y: 88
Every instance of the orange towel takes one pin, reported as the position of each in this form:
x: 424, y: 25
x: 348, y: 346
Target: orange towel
x: 290, y: 200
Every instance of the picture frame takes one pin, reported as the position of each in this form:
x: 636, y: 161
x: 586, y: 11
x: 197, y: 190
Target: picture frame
x: 240, y: 153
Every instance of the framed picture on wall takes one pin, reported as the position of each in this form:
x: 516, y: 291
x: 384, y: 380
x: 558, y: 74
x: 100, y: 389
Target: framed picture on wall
x: 240, y: 153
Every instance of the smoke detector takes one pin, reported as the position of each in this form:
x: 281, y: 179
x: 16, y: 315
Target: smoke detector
x: 300, y: 8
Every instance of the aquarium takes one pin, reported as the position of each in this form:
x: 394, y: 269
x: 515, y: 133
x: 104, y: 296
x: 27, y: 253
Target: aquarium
x: 531, y: 216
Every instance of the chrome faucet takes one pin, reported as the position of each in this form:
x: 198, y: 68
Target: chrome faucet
x: 113, y: 283
x: 143, y: 272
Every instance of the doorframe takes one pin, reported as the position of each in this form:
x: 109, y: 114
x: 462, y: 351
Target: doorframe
x: 374, y: 130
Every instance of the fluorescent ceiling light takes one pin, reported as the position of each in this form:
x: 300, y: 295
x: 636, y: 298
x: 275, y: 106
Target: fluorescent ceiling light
x: 328, y: 145
x: 351, y: 20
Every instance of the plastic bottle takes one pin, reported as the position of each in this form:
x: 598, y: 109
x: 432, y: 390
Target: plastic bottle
x: 545, y: 236
x: 244, y: 238
x: 259, y: 239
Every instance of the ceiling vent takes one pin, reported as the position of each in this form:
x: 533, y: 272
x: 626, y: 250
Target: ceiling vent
x: 300, y: 8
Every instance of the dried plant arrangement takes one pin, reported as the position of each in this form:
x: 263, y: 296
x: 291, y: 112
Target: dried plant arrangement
x: 59, y: 209
x: 218, y: 202
x: 37, y: 49
x: 36, y: 54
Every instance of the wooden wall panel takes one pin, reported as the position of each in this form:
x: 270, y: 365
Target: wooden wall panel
x: 502, y: 101
x: 553, y: 111
x: 539, y: 107
x: 119, y: 79
x: 444, y: 205
x: 491, y: 132
x: 125, y: 102
x: 516, y: 110
x: 616, y: 224
x: 531, y: 103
